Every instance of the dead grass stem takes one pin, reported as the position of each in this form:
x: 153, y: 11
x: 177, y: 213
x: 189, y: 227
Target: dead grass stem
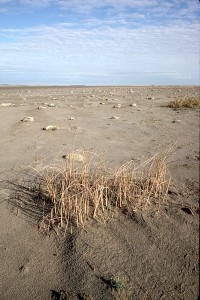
x: 185, y: 102
x: 79, y: 191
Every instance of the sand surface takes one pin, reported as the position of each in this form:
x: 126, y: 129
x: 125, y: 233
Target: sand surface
x: 154, y: 252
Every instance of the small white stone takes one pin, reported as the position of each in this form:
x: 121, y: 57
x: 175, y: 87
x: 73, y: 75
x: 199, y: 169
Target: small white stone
x: 51, y: 105
x: 50, y: 127
x: 41, y: 107
x: 7, y: 104
x: 28, y: 119
x: 75, y: 157
x: 177, y: 121
x: 133, y: 105
x: 115, y: 118
x: 117, y: 106
x: 72, y: 118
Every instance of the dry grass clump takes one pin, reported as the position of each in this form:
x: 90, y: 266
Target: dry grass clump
x: 185, y: 102
x: 80, y: 190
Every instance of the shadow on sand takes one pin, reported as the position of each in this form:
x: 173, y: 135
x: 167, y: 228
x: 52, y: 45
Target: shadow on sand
x: 24, y: 197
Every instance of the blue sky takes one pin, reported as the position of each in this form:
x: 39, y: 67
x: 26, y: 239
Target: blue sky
x: 99, y: 42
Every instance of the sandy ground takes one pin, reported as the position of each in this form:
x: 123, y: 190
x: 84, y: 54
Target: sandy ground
x: 154, y: 253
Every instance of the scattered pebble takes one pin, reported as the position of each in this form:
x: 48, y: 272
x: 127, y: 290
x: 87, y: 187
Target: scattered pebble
x: 28, y: 119
x: 7, y: 104
x: 74, y: 156
x: 150, y: 98
x: 50, y: 127
x: 41, y: 107
x: 177, y: 121
x: 72, y: 118
x: 117, y: 105
x: 133, y: 105
x: 51, y: 105
x: 115, y: 118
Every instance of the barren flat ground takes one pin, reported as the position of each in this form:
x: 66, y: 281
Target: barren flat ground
x: 155, y: 251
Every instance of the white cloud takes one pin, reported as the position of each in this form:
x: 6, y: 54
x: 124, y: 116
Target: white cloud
x: 150, y: 7
x: 36, y: 3
x: 115, y: 44
x: 108, y: 49
x: 89, y: 5
x: 3, y: 10
x: 5, y: 1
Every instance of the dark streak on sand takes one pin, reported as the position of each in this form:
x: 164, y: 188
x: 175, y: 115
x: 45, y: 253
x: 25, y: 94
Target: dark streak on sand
x: 155, y: 253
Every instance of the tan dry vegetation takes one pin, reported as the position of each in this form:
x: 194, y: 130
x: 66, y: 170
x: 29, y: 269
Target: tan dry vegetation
x: 185, y: 102
x: 148, y: 245
x: 79, y: 192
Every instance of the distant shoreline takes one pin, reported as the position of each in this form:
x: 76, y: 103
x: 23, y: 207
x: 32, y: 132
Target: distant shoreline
x: 89, y: 86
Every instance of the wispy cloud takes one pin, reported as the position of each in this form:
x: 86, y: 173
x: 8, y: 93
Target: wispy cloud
x: 5, y: 1
x: 151, y: 45
x: 185, y: 8
x: 104, y: 39
x: 3, y: 10
x: 36, y: 3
